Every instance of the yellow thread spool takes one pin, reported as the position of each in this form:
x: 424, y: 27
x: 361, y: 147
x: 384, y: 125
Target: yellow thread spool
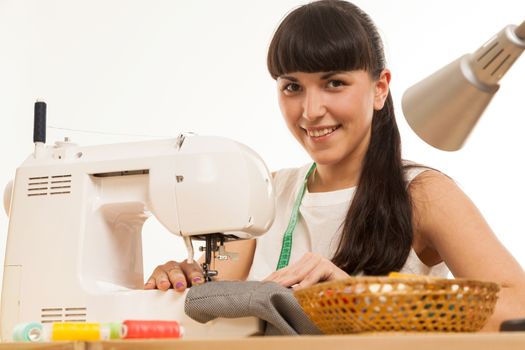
x: 76, y: 331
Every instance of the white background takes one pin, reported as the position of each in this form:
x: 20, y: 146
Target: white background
x: 157, y: 68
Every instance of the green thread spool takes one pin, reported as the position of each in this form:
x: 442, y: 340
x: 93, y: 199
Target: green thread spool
x: 28, y: 332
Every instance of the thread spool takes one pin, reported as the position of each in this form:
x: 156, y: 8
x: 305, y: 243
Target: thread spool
x: 114, y: 329
x: 76, y: 331
x: 28, y: 332
x: 39, y: 126
x: 146, y: 329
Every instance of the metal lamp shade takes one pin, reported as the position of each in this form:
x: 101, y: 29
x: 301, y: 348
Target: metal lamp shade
x: 443, y: 108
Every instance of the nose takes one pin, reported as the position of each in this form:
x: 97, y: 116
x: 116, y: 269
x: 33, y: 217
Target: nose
x: 313, y: 105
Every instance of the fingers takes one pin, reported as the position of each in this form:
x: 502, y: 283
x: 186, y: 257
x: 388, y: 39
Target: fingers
x: 171, y: 274
x: 175, y: 275
x: 150, y: 283
x: 156, y: 277
x: 310, y: 269
x: 321, y: 272
x: 325, y: 271
x: 296, y: 272
x: 193, y: 273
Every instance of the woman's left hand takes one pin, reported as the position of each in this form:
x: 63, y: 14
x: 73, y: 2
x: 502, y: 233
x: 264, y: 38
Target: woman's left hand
x: 310, y: 269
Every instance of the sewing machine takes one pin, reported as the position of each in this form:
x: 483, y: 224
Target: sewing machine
x: 74, y: 247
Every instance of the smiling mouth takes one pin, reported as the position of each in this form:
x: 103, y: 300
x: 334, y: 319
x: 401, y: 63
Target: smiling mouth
x: 322, y: 132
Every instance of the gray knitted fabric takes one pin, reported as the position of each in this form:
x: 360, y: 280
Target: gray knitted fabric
x: 268, y: 301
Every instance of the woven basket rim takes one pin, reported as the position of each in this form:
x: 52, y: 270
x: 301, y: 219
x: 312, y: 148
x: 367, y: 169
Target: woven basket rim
x: 410, y: 281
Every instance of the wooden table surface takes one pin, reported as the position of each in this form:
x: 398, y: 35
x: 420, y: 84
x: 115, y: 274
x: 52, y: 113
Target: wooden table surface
x: 396, y: 341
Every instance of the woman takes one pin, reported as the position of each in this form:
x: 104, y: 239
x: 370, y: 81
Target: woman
x: 360, y: 208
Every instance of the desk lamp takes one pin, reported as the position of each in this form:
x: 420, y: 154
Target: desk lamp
x: 443, y: 108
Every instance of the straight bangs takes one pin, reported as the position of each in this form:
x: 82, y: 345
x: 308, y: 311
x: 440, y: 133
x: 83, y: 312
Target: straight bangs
x: 319, y: 40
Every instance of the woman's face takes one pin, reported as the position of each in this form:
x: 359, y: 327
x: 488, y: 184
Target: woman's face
x: 330, y: 113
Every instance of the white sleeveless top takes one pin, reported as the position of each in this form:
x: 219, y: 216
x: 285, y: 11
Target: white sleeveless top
x: 319, y: 226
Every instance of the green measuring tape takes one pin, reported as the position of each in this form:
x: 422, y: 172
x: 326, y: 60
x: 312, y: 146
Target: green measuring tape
x: 286, y: 248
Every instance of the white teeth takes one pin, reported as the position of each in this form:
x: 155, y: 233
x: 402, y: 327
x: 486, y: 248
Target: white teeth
x: 323, y: 132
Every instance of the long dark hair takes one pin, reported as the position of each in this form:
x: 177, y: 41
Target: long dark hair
x: 332, y: 35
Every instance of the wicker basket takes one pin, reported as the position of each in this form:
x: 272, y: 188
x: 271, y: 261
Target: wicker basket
x: 369, y: 304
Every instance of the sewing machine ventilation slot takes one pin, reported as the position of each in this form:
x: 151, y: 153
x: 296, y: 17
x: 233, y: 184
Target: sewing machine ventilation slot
x: 59, y: 314
x: 52, y: 185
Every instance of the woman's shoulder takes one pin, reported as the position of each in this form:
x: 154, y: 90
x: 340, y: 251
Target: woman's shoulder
x: 437, y: 201
x: 431, y: 189
x: 420, y: 175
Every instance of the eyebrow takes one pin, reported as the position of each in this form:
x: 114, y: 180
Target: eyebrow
x: 325, y: 76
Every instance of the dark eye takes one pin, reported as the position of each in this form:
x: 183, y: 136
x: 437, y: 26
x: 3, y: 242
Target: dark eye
x: 335, y: 83
x: 292, y: 87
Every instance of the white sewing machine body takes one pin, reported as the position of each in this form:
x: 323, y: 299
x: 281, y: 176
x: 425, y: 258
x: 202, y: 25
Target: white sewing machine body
x: 74, y: 247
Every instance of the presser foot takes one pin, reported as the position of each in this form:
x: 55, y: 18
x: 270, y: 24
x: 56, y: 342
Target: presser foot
x: 214, y: 248
x: 208, y: 274
x: 211, y: 245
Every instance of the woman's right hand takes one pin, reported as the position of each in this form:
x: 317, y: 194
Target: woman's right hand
x: 176, y: 275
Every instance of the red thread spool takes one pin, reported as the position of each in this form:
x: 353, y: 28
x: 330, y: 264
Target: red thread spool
x: 136, y: 329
